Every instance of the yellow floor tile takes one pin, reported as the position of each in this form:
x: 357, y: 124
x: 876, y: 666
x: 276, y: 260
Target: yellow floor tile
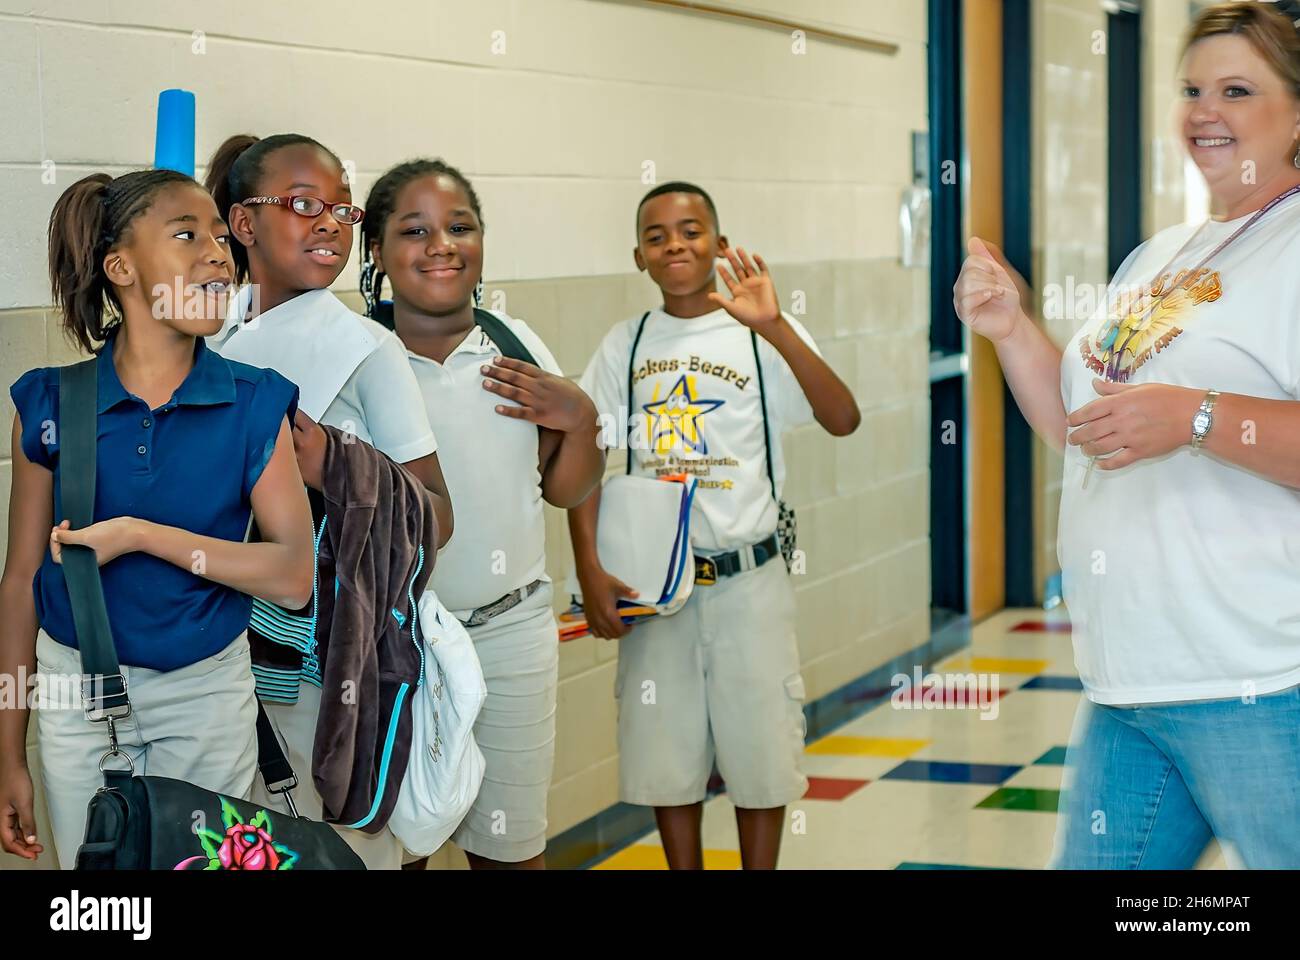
x: 891, y: 821
x: 642, y: 857
x: 867, y: 746
x: 962, y: 664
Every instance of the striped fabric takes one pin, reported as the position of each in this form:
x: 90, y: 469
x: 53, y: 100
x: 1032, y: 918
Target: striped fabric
x: 298, y: 631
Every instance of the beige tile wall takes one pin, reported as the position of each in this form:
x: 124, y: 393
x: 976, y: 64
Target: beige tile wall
x: 1164, y: 26
x: 805, y: 155
x: 1070, y: 175
x: 1069, y: 201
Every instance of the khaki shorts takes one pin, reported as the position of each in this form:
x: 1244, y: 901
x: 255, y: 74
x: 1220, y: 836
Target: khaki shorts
x: 520, y: 654
x: 718, y: 680
x: 197, y: 723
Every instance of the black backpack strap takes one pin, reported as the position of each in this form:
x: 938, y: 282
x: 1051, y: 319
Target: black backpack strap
x: 497, y: 331
x: 501, y: 334
x: 383, y: 314
x: 762, y: 400
x: 106, y: 694
x: 277, y: 772
x: 631, y: 364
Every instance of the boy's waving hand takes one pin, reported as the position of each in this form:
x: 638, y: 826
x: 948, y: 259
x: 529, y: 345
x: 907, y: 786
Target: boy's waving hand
x: 753, y: 295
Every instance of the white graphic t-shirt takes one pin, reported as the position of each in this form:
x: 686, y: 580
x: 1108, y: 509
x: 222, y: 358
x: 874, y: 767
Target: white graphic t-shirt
x: 695, y: 409
x: 1182, y: 573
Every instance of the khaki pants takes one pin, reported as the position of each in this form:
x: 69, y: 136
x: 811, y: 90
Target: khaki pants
x: 520, y: 654
x: 197, y: 724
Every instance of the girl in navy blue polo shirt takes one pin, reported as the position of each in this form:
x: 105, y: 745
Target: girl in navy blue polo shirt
x: 189, y: 445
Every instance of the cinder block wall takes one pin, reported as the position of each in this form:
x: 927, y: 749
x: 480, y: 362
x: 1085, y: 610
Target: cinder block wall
x: 1070, y: 174
x: 556, y: 108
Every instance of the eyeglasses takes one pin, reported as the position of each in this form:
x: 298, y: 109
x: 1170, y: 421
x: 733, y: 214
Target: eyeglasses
x: 312, y: 206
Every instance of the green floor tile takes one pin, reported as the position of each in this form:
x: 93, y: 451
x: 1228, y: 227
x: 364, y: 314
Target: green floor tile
x: 1021, y: 798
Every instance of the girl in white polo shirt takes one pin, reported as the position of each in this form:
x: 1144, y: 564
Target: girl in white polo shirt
x: 513, y: 432
x: 291, y: 214
x: 1179, y: 411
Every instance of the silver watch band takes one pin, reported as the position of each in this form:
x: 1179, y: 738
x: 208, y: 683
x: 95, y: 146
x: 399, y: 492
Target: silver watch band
x: 1205, y: 410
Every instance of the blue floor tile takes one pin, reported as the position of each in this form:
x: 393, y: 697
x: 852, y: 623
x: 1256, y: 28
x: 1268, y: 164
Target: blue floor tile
x: 1044, y: 682
x: 913, y: 865
x: 943, y: 772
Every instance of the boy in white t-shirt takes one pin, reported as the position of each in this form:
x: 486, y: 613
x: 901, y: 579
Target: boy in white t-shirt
x: 723, y: 671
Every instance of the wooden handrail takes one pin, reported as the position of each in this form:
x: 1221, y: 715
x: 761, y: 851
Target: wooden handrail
x: 765, y: 20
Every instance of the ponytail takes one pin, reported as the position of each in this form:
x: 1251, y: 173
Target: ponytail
x: 89, y: 219
x: 234, y: 173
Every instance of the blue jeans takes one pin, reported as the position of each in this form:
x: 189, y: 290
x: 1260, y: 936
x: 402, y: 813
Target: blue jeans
x: 1153, y: 783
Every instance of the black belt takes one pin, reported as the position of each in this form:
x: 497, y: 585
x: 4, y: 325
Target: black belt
x: 709, y: 570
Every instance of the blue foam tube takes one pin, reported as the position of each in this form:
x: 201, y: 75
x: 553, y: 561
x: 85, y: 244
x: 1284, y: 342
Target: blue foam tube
x: 174, y: 142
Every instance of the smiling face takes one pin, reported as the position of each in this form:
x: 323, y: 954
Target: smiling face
x: 1236, y: 110
x: 175, y: 261
x: 287, y: 251
x: 432, y: 248
x: 678, y: 242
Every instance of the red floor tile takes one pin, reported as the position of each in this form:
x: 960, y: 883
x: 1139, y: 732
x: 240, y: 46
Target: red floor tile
x: 832, y: 788
x: 1039, y: 626
x: 953, y: 697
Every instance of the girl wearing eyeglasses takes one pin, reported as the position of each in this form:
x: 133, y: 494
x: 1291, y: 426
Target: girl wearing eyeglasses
x: 290, y: 211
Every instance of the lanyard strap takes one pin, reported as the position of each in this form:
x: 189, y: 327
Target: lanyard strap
x: 1112, y: 367
x: 1235, y: 234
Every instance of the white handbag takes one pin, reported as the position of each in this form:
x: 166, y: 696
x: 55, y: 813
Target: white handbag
x: 445, y: 769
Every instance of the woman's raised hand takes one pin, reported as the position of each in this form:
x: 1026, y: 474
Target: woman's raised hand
x: 987, y: 295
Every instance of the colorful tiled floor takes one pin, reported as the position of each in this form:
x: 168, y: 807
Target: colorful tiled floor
x: 919, y: 784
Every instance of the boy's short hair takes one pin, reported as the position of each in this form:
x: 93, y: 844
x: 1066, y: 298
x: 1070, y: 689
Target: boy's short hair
x: 678, y: 186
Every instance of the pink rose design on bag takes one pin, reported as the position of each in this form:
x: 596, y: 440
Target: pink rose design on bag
x: 245, y: 846
x: 248, y: 848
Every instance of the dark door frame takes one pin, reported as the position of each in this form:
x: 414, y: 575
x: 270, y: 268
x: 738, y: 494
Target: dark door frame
x: 1124, y: 132
x: 1018, y: 244
x: 948, y: 546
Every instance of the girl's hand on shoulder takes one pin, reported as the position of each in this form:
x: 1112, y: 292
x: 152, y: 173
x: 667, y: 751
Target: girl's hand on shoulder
x: 108, y: 538
x: 753, y: 296
x: 544, y: 399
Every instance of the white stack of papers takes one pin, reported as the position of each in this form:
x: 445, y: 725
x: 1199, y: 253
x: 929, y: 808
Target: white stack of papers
x: 643, y: 539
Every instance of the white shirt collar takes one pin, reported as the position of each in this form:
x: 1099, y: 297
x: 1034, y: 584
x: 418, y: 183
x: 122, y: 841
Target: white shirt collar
x: 475, y: 342
x: 313, y: 340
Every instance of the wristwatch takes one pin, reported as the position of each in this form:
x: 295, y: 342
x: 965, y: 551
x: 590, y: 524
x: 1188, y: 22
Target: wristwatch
x: 1204, y: 419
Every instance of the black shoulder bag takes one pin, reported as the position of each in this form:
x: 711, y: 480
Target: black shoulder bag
x: 157, y: 823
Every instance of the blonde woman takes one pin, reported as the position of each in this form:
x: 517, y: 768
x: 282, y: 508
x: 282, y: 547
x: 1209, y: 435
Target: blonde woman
x: 1179, y: 533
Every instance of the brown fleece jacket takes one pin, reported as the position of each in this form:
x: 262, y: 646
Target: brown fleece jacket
x: 380, y: 542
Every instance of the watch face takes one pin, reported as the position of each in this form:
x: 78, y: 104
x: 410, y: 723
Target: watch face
x: 1201, y: 422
